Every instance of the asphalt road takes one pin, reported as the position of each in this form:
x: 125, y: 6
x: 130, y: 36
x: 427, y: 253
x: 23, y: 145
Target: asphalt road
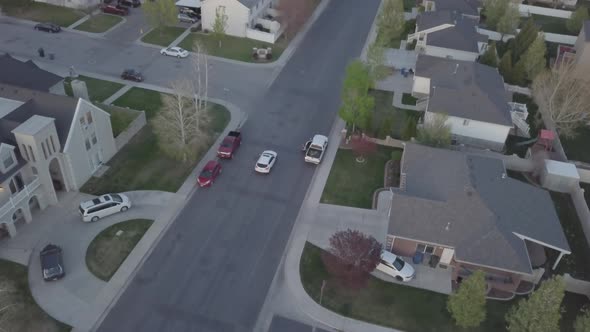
x: 213, y: 268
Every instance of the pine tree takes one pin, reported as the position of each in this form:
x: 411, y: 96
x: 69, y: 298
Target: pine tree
x: 533, y: 60
x: 505, y: 66
x: 524, y: 39
x: 490, y: 57
x: 518, y: 73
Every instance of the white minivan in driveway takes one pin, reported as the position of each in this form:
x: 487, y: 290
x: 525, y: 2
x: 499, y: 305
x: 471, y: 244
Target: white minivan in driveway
x: 396, y: 267
x: 104, y: 206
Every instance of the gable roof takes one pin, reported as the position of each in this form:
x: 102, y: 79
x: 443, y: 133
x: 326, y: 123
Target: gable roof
x: 468, y: 203
x: 60, y: 108
x: 26, y: 74
x: 462, y: 36
x: 465, y: 89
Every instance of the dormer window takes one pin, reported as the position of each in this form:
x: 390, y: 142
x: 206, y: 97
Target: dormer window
x: 8, y: 161
x: 7, y: 157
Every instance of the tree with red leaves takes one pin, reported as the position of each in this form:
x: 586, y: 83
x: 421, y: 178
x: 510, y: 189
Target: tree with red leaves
x: 362, y: 147
x: 293, y: 14
x: 352, y: 256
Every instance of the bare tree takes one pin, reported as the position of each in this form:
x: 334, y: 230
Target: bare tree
x: 563, y: 99
x: 293, y: 14
x: 351, y: 257
x: 179, y: 128
x: 200, y: 83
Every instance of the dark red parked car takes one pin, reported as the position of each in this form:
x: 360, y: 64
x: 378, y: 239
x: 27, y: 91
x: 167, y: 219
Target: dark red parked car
x: 209, y: 173
x: 229, y: 145
x: 117, y: 10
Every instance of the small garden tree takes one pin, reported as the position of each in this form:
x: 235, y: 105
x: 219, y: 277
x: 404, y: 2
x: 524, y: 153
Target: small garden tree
x: 490, y: 57
x: 505, y: 66
x: 509, y: 21
x: 582, y: 323
x: 357, y: 104
x: 524, y: 39
x: 160, y: 13
x: 362, y: 147
x: 376, y: 62
x: 351, y: 257
x: 533, y: 60
x: 391, y: 22
x: 541, y: 311
x: 435, y: 132
x: 468, y: 304
x: 575, y: 22
x: 493, y: 11
x: 219, y: 24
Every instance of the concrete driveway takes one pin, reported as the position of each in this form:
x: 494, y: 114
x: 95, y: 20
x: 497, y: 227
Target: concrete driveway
x: 70, y: 299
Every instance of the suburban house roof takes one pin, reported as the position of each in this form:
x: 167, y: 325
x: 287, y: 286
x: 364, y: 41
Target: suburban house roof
x: 466, y: 7
x: 468, y: 203
x: 249, y: 3
x: 462, y: 36
x: 26, y: 74
x: 465, y: 89
x: 60, y: 108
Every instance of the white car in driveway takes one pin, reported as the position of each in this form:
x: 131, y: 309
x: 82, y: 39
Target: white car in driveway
x: 396, y: 267
x: 174, y: 51
x: 265, y: 162
x: 104, y: 206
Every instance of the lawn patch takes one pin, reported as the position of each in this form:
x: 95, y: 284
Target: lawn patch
x: 28, y: 315
x: 162, y: 36
x: 120, y: 117
x: 403, y: 307
x: 40, y: 12
x: 98, y: 90
x: 387, y: 119
x: 107, y: 251
x: 577, y: 264
x: 234, y: 48
x: 99, y: 23
x: 141, y: 165
x: 351, y: 183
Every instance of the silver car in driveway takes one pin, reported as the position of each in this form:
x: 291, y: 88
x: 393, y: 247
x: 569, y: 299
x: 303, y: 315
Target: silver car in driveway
x: 104, y: 206
x: 396, y: 267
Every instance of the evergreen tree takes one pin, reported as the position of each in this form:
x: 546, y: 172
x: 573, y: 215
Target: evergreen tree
x: 533, y: 60
x: 493, y: 11
x: 509, y: 21
x: 575, y: 22
x: 505, y: 66
x: 490, y: 57
x: 524, y: 39
x: 518, y: 74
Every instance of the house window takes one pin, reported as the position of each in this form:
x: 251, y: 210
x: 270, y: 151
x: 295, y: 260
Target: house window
x: 32, y: 154
x: 93, y: 138
x: 25, y: 152
x: 466, y: 122
x: 87, y: 144
x: 7, y: 160
x: 52, y: 144
x: 44, y: 151
x: 424, y: 248
x: 89, y: 117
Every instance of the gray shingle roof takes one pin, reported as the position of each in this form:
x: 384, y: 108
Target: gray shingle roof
x: 433, y: 19
x: 249, y: 3
x: 467, y: 7
x: 463, y: 201
x: 463, y: 36
x: 465, y: 89
x: 60, y: 108
x: 26, y: 74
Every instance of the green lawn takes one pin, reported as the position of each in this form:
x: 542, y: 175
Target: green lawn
x: 107, y: 251
x: 578, y: 262
x: 410, y: 27
x: 550, y: 24
x: 162, y: 36
x: 40, y: 12
x: 387, y: 119
x: 408, y: 99
x: 99, y: 23
x: 576, y: 148
x: 26, y: 316
x: 141, y: 165
x: 351, y: 183
x: 120, y: 117
x: 401, y: 307
x: 98, y: 90
x: 234, y: 48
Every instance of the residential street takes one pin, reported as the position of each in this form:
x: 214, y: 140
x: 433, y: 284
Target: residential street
x: 212, y: 269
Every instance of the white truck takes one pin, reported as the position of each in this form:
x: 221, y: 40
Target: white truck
x: 315, y: 148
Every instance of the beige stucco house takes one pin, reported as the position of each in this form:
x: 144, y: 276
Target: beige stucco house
x: 49, y: 143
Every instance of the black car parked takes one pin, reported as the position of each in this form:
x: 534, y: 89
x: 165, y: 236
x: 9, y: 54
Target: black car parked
x: 131, y: 75
x: 52, y: 265
x: 48, y: 27
x: 130, y: 3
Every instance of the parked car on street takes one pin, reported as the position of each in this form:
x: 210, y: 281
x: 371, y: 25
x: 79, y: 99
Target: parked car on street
x: 104, y: 206
x: 265, y: 162
x: 187, y: 18
x: 209, y: 173
x: 48, y: 27
x: 396, y: 267
x: 131, y: 75
x: 174, y: 51
x: 316, y: 149
x: 229, y: 145
x: 52, y: 266
x: 115, y: 9
x: 130, y: 3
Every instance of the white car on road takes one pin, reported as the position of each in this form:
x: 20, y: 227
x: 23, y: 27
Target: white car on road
x: 266, y: 161
x: 104, y: 206
x: 174, y: 51
x: 396, y: 267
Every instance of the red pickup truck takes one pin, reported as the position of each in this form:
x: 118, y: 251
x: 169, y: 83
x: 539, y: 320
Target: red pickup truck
x: 229, y: 145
